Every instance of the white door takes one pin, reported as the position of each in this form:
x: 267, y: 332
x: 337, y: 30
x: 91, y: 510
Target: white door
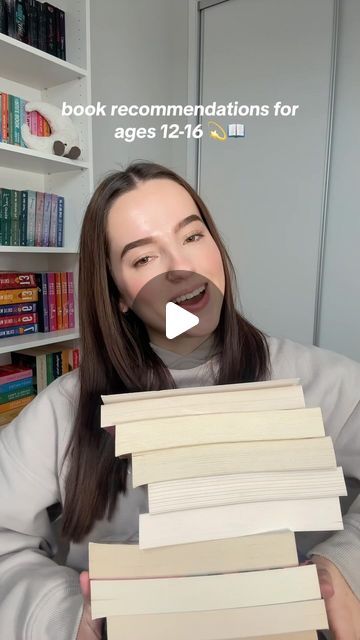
x: 266, y: 190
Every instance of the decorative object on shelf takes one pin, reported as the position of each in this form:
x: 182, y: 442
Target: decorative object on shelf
x: 64, y: 138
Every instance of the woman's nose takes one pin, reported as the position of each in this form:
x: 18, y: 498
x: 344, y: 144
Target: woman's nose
x: 178, y: 265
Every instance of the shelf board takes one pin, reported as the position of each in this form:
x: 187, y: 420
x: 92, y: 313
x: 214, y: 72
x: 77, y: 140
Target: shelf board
x: 24, y: 159
x: 64, y: 250
x: 14, y: 343
x: 33, y: 67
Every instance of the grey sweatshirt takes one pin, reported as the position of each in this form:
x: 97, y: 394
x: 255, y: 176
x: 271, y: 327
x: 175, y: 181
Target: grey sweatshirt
x: 40, y: 599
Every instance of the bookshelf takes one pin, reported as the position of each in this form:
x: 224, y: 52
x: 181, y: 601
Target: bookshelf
x: 35, y: 75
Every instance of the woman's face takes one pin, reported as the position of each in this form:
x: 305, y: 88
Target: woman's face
x: 160, y: 249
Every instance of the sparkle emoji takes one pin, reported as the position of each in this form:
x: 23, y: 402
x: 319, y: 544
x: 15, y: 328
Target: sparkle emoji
x: 218, y: 133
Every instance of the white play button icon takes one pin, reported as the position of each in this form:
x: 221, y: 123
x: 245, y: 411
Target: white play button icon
x: 178, y: 320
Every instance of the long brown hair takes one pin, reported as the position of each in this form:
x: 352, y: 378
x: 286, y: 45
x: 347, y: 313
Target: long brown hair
x: 116, y: 356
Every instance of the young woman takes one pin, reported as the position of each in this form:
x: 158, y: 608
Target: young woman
x: 143, y: 224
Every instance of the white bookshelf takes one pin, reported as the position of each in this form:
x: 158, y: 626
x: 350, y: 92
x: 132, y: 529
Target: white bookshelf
x: 34, y: 75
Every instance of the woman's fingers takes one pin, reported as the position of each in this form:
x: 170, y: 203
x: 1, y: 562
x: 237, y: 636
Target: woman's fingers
x: 85, y: 585
x: 326, y: 583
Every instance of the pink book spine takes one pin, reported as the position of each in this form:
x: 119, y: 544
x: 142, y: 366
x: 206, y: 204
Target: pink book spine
x: 76, y: 358
x: 52, y: 301
x: 39, y: 217
x: 71, y: 302
x: 19, y: 375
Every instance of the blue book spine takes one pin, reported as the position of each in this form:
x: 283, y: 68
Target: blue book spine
x: 60, y: 222
x: 18, y: 309
x: 17, y: 111
x: 17, y: 384
x: 19, y: 331
x: 45, y: 236
x: 43, y: 302
x: 23, y: 218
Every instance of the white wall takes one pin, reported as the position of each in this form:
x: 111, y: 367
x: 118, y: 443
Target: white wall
x: 139, y: 56
x: 340, y: 308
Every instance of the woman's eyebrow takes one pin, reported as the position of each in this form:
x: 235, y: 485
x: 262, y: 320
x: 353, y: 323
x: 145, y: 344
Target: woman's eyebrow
x: 149, y: 239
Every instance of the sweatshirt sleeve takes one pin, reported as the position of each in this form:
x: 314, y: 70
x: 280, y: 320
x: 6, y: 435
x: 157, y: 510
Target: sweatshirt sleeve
x: 331, y: 381
x: 38, y: 598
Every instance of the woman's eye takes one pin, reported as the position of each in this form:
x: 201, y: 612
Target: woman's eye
x: 194, y: 237
x: 142, y: 261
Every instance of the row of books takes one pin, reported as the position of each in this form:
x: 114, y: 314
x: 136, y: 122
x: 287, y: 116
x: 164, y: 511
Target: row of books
x: 31, y: 218
x: 33, y: 302
x: 13, y: 116
x: 39, y: 24
x: 231, y: 472
x: 31, y: 371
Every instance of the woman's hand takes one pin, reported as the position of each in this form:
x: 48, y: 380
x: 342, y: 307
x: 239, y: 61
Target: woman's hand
x: 89, y: 629
x: 342, y: 605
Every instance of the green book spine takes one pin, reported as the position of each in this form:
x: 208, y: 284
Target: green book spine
x: 23, y: 218
x: 6, y: 204
x: 15, y: 214
x: 15, y: 395
x: 49, y: 368
x: 17, y: 111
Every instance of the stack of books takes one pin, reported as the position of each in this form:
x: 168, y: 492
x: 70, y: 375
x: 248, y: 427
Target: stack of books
x: 31, y: 218
x: 39, y: 24
x: 232, y: 471
x: 13, y: 116
x: 33, y: 302
x: 47, y: 363
x: 16, y: 391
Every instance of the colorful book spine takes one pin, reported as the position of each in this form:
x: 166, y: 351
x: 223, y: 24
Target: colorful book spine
x: 13, y: 321
x: 59, y: 313
x: 62, y: 34
x: 57, y: 364
x: 64, y: 300
x: 11, y: 118
x: 31, y: 219
x: 23, y: 119
x: 20, y: 20
x: 32, y: 23
x: 49, y: 368
x: 43, y: 304
x: 11, y: 296
x: 18, y: 331
x: 50, y: 28
x: 15, y: 309
x: 71, y: 301
x: 33, y: 126
x: 52, y: 301
x: 45, y: 236
x: 16, y: 280
x: 60, y: 222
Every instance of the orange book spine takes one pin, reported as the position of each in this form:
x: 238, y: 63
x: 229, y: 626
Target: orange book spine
x: 15, y: 404
x: 65, y: 361
x: 65, y: 300
x: 59, y: 314
x: 11, y: 296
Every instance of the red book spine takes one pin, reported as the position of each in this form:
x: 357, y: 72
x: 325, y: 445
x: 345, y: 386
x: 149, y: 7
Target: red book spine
x: 52, y: 301
x: 11, y: 373
x: 59, y: 314
x: 15, y: 280
x: 71, y: 302
x: 5, y: 117
x: 13, y: 321
x: 33, y: 123
x: 76, y: 358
